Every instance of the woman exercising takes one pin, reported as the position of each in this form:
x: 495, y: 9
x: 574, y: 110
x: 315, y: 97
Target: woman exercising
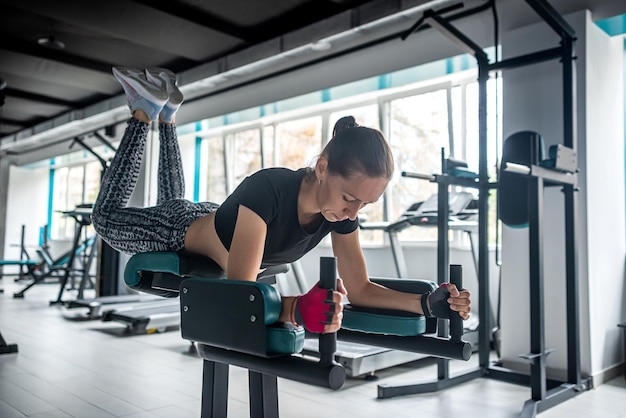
x: 274, y: 216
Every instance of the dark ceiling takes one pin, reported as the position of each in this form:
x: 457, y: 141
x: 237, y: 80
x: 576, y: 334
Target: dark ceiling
x: 56, y: 55
x: 42, y: 80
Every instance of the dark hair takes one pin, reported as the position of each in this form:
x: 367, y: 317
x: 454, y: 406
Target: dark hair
x: 355, y: 149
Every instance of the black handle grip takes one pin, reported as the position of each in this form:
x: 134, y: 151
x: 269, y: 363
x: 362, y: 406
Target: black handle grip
x: 456, y: 322
x: 328, y: 280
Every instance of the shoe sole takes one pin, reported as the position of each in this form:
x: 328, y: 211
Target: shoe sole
x: 155, y: 75
x: 143, y: 87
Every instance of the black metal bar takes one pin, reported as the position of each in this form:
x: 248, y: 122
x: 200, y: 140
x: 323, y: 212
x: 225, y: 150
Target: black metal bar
x: 430, y: 345
x: 456, y: 322
x: 299, y: 369
x: 528, y: 59
x: 70, y: 263
x: 484, y: 308
x: 6, y: 348
x: 104, y: 140
x: 263, y: 390
x: 443, y: 216
x: 569, y: 93
x: 552, y: 18
x: 386, y: 391
x: 103, y: 162
x: 571, y: 268
x: 328, y: 280
x: 572, y: 297
x: 86, y: 276
x: 214, y: 390
x: 455, y: 35
x: 537, y: 326
x: 553, y: 397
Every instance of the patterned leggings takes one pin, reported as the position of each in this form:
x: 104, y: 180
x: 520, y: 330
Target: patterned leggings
x: 162, y: 227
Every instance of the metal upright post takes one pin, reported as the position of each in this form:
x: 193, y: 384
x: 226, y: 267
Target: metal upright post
x: 569, y: 191
x: 443, y: 365
x: 537, y: 324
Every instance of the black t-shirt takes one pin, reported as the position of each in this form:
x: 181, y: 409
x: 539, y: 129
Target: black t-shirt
x: 272, y: 194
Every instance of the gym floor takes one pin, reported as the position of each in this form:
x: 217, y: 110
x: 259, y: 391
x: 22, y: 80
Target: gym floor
x: 69, y: 368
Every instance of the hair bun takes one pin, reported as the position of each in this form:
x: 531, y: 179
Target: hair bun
x: 344, y: 123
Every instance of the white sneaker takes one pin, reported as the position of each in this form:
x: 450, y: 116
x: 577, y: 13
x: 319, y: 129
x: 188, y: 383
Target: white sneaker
x: 141, y: 94
x: 163, y: 77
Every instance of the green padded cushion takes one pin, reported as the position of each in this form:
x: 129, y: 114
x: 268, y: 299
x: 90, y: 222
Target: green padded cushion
x: 166, y: 262
x: 284, y: 339
x: 272, y: 302
x: 383, y: 321
x: 462, y: 172
x: 18, y: 263
x: 281, y: 338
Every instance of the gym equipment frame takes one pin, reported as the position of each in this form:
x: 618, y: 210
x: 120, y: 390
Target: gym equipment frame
x: 542, y: 398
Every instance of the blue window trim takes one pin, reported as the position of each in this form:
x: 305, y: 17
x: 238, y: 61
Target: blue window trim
x: 615, y: 25
x: 50, y: 194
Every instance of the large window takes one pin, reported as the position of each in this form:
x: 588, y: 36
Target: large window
x: 73, y: 185
x: 418, y: 131
x: 422, y: 123
x: 212, y: 170
x: 298, y: 142
x: 243, y: 155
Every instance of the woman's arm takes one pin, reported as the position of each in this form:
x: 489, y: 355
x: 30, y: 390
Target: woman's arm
x: 352, y: 269
x: 247, y: 246
x: 361, y: 291
x: 245, y: 257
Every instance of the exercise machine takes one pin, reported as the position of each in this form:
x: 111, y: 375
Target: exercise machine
x: 27, y: 267
x: 6, y: 348
x: 462, y: 217
x: 164, y: 313
x: 364, y: 360
x: 25, y: 264
x: 74, y: 263
x: 147, y: 317
x: 235, y: 323
x: 97, y: 308
x: 533, y: 175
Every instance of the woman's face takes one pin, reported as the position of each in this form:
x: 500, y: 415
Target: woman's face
x: 340, y: 199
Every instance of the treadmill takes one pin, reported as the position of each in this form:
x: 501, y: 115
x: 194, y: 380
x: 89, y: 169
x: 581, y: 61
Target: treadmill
x: 96, y: 308
x: 150, y: 317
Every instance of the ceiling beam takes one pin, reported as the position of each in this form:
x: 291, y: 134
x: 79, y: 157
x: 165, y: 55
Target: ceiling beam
x: 200, y: 17
x: 13, y: 122
x: 19, y: 46
x: 37, y: 97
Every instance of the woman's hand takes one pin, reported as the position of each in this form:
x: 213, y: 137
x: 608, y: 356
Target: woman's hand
x: 320, y: 310
x: 447, y: 297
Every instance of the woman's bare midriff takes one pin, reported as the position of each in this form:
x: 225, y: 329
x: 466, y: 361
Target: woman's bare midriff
x: 201, y: 238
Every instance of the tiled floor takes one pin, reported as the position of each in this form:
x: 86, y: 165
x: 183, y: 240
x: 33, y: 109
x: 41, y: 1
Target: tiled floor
x: 91, y: 369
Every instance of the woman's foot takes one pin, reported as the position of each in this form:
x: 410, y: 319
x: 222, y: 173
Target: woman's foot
x: 141, y: 94
x: 166, y: 79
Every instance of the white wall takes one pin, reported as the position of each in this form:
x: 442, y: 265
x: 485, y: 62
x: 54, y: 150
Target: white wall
x: 532, y: 101
x: 604, y: 140
x: 28, y: 205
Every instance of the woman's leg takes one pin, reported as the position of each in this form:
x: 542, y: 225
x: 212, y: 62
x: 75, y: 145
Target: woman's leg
x: 171, y: 178
x: 158, y: 228
x: 134, y: 230
x: 121, y: 176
